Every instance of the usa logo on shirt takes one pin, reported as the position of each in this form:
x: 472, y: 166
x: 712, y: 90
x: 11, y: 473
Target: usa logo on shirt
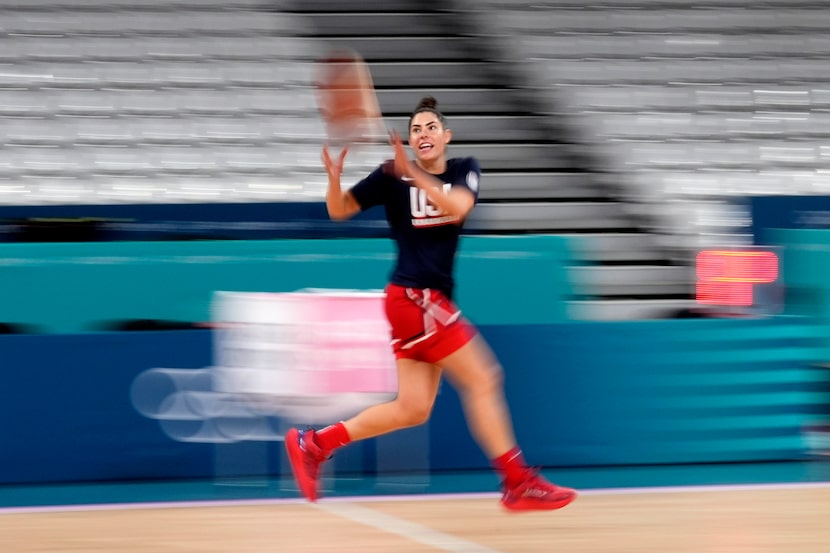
x: 424, y: 214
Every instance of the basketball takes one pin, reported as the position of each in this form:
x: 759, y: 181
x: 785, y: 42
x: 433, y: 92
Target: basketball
x: 346, y: 98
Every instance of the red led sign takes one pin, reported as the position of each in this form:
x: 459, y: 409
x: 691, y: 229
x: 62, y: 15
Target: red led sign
x: 727, y: 277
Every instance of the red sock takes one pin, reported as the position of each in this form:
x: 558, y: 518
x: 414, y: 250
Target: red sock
x: 332, y: 437
x: 511, y: 466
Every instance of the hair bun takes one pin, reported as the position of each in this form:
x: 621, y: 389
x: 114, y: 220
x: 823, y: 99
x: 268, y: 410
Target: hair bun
x: 427, y: 102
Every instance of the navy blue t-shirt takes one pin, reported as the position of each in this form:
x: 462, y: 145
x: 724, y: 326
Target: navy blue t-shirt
x: 427, y: 238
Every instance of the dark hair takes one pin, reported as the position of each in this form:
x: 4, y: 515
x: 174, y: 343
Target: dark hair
x: 429, y: 104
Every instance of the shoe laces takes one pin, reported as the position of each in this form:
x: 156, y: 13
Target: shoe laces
x: 308, y: 445
x: 313, y: 454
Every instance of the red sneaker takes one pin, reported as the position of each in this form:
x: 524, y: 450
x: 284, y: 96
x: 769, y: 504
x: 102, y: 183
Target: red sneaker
x: 535, y: 493
x: 305, y: 457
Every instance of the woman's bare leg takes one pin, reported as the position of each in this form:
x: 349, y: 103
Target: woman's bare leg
x: 477, y: 375
x: 417, y: 388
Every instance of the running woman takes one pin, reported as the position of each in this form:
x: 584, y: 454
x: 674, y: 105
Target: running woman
x: 426, y: 203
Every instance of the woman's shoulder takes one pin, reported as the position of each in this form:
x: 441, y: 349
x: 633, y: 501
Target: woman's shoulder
x: 464, y: 163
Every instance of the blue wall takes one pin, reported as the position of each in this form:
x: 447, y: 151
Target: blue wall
x: 582, y: 394
x: 65, y: 400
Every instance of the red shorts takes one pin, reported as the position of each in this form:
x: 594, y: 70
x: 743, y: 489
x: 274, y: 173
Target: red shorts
x: 426, y: 325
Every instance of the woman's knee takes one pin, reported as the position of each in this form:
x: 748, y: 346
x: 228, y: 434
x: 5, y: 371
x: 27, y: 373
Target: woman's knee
x: 414, y: 413
x: 489, y: 381
x: 475, y: 369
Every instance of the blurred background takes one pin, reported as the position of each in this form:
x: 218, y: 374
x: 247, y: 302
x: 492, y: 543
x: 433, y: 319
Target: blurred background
x: 652, y: 213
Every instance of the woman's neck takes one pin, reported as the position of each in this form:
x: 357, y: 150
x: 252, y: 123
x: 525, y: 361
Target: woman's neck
x: 435, y: 167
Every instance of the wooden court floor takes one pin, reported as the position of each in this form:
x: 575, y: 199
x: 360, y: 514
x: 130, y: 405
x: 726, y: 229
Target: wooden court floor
x: 734, y: 519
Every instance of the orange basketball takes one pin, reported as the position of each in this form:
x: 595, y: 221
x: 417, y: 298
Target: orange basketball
x: 346, y: 98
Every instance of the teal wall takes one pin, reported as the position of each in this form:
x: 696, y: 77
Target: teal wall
x: 68, y: 288
x: 805, y: 268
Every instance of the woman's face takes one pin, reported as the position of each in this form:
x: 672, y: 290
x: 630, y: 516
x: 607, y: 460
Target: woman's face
x: 428, y: 138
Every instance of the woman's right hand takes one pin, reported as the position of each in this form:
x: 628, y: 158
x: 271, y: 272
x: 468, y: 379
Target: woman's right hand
x: 334, y: 168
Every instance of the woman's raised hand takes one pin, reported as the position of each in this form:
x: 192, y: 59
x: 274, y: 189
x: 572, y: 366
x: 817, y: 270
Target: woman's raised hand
x: 334, y: 168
